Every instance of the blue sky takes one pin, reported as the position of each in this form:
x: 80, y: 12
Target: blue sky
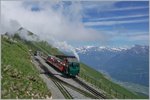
x: 128, y: 21
x: 97, y: 23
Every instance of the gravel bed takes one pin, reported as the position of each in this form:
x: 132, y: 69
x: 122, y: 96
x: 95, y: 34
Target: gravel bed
x: 56, y: 94
x: 75, y: 95
x: 60, y: 76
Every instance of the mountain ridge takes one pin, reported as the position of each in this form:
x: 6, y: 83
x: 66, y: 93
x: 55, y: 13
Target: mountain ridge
x: 100, y: 48
x: 125, y: 64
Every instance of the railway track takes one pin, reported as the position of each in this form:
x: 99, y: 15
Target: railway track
x: 66, y: 94
x: 59, y: 85
x: 94, y: 95
x: 93, y: 91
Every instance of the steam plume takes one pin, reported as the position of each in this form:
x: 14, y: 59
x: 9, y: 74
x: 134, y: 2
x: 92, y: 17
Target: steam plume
x: 66, y: 47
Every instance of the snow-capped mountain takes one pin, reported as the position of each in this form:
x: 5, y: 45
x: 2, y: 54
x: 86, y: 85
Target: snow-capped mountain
x: 134, y: 49
x: 101, y: 48
x: 123, y: 64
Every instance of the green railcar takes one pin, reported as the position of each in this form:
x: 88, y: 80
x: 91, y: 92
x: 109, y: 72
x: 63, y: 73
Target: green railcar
x: 73, y: 69
x: 72, y: 66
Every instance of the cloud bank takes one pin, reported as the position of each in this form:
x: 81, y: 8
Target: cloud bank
x: 107, y: 23
x: 59, y: 20
x: 72, y: 21
x: 55, y: 22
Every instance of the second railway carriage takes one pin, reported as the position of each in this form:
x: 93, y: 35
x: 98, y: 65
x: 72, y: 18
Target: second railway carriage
x: 66, y: 64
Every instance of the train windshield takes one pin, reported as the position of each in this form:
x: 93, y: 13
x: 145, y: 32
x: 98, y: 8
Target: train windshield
x: 74, y: 64
x: 72, y: 60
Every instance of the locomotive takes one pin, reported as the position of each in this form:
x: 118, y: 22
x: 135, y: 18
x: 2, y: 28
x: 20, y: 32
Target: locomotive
x: 69, y: 65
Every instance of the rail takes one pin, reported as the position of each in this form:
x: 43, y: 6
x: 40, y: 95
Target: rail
x: 110, y: 91
x: 49, y: 74
x: 66, y: 94
x: 95, y: 92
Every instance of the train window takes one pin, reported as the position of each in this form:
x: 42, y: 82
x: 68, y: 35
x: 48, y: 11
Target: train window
x: 72, y: 59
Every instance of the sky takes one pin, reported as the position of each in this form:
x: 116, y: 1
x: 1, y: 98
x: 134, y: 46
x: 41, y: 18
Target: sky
x: 80, y: 23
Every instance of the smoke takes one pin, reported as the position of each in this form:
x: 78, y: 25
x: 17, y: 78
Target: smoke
x: 65, y: 47
x: 12, y: 27
x: 48, y: 20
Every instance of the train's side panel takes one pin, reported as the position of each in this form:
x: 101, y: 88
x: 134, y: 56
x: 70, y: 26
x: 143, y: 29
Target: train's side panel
x: 73, y: 71
x: 56, y: 63
x: 70, y: 68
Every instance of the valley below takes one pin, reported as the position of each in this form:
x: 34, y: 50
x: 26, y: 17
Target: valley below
x: 125, y: 66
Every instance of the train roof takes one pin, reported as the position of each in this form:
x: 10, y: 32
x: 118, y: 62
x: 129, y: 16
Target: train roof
x: 54, y: 57
x: 69, y: 58
x: 64, y: 56
x: 72, y: 59
x: 61, y: 57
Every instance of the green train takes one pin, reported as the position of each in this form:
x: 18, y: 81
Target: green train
x: 66, y: 64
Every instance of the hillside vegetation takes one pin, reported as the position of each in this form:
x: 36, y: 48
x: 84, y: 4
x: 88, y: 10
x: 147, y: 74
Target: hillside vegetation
x: 112, y: 90
x: 20, y: 79
x: 93, y: 75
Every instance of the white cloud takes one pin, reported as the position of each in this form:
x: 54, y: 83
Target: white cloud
x: 57, y: 20
x: 109, y: 6
x: 8, y: 25
x: 120, y: 17
x: 99, y: 4
x: 107, y: 23
x: 48, y: 22
x: 52, y: 22
x: 127, y: 8
x: 138, y: 37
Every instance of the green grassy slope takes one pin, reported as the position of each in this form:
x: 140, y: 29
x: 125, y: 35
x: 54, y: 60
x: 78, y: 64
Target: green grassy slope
x: 20, y: 79
x: 21, y: 49
x: 92, y: 74
x: 98, y: 79
x: 42, y: 46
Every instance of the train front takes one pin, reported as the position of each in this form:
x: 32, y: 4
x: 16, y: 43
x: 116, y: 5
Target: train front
x: 73, y: 66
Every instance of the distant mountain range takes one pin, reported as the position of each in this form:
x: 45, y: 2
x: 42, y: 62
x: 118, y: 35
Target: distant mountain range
x: 122, y: 64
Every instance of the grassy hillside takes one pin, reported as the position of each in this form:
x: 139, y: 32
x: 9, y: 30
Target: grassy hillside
x: 20, y: 79
x: 16, y: 59
x: 115, y: 90
x: 112, y: 89
x: 44, y: 47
